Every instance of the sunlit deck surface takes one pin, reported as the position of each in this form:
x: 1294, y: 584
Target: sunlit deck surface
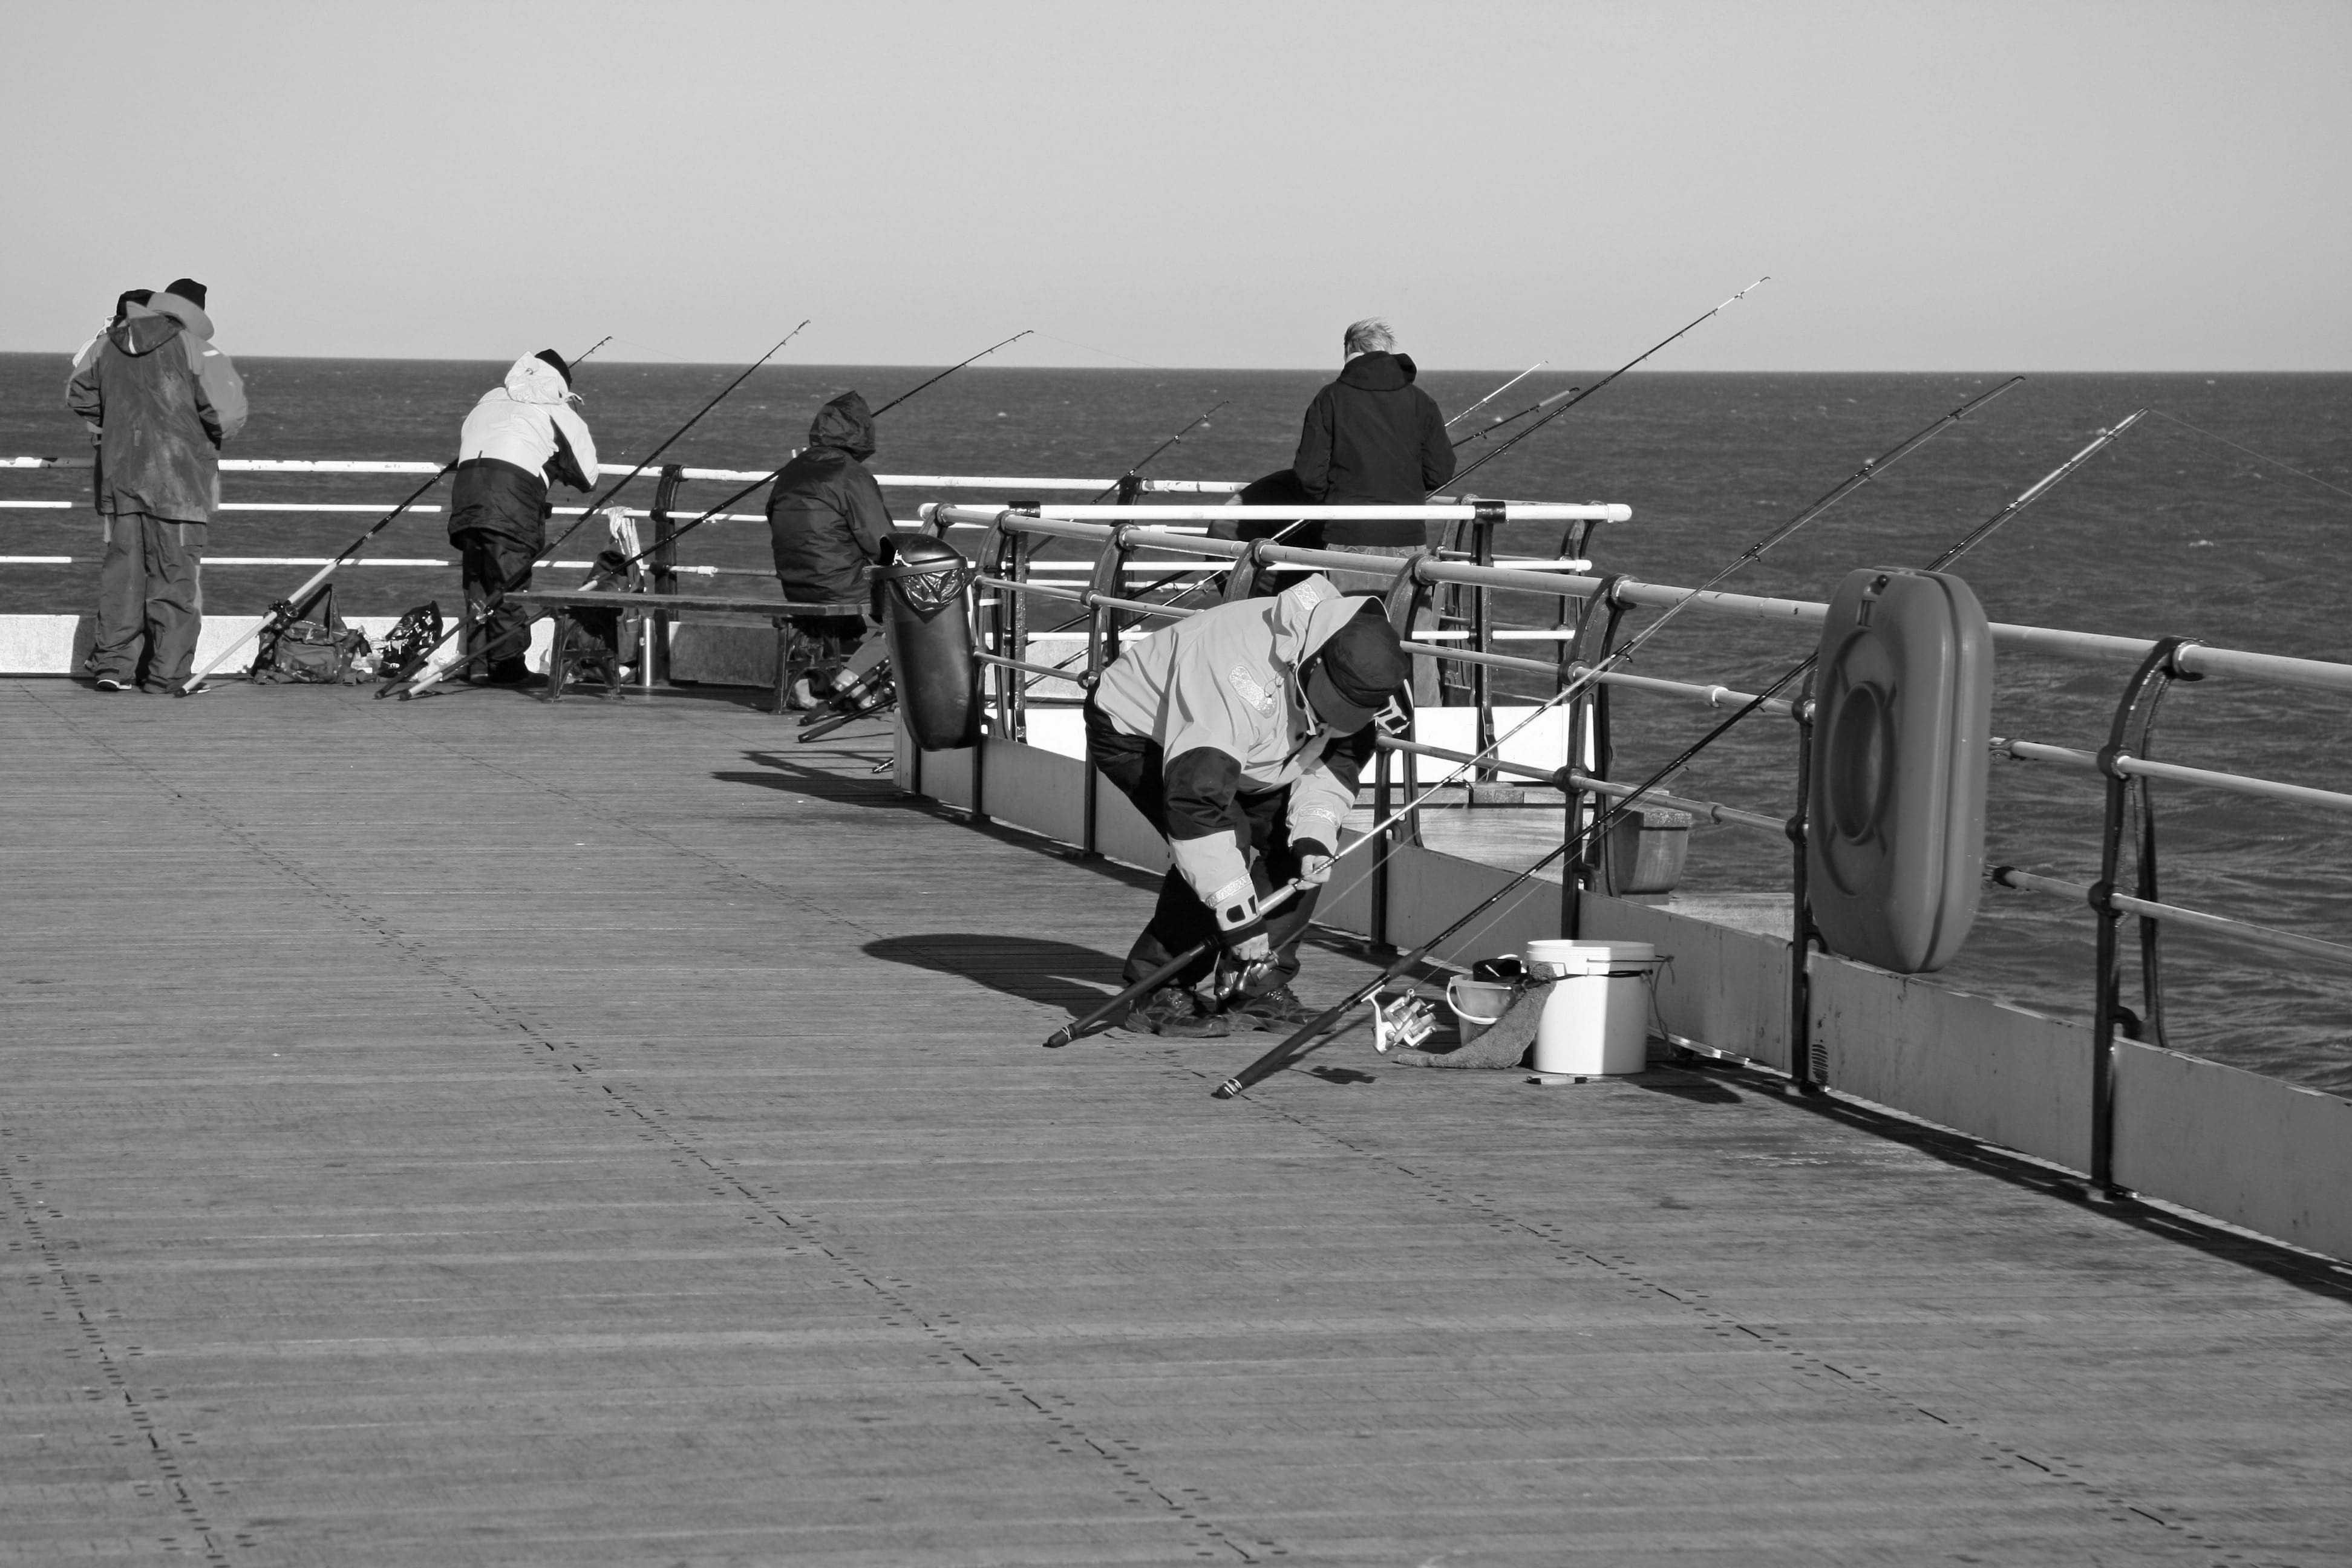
x: 477, y: 1131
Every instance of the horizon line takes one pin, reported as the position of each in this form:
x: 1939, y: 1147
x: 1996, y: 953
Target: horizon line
x: 1241, y: 369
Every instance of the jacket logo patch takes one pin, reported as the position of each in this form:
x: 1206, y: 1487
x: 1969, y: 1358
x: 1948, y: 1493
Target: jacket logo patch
x: 1257, y: 696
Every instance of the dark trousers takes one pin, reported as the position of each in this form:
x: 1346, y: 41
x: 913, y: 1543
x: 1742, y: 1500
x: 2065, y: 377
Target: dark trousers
x: 496, y: 566
x: 1260, y: 822
x: 150, y: 592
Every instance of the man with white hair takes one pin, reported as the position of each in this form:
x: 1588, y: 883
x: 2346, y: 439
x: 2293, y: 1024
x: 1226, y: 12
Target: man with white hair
x: 1373, y: 437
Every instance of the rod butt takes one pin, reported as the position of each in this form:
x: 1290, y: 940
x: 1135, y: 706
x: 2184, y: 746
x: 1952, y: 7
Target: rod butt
x: 1227, y: 1089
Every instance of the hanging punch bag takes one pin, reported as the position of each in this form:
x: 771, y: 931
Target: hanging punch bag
x: 921, y: 593
x: 1903, y: 709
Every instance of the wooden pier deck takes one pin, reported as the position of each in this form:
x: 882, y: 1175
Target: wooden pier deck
x: 478, y: 1132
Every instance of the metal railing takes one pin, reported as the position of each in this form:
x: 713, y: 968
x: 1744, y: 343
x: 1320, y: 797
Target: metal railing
x: 1127, y: 543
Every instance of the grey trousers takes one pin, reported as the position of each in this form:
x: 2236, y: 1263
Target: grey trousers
x: 150, y: 592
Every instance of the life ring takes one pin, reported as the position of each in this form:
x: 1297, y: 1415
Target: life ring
x: 1895, y: 814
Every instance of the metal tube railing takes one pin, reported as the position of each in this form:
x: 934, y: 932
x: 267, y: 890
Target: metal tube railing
x: 2010, y: 877
x: 2196, y: 658
x: 2302, y: 795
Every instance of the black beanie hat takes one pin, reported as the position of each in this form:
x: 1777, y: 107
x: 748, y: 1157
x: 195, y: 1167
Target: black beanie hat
x: 129, y: 297
x: 552, y: 357
x: 188, y: 289
x: 1365, y: 660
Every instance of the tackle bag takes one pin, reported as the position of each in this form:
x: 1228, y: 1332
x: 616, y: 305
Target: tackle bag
x: 309, y: 645
x: 411, y: 639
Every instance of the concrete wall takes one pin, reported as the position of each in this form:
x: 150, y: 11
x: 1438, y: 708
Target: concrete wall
x: 56, y: 645
x: 1993, y: 1070
x: 2267, y: 1155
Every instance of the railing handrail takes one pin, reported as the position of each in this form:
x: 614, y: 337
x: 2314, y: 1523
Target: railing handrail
x: 737, y: 475
x: 2196, y: 658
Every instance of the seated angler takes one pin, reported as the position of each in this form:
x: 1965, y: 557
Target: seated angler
x: 828, y: 526
x: 1240, y: 733
x: 519, y: 439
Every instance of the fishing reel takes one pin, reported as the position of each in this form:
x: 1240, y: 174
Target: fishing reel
x: 1402, y: 1022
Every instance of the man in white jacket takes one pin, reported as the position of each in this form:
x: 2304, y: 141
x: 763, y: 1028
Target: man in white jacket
x: 520, y: 438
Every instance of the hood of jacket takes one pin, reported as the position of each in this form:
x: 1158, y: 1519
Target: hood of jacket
x: 1379, y: 372
x: 143, y: 331
x: 187, y: 312
x: 532, y: 379
x: 846, y: 423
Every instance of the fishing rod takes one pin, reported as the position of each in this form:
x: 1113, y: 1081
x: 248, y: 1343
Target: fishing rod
x: 1203, y: 418
x: 599, y: 343
x: 1498, y: 392
x: 1570, y: 398
x: 771, y: 477
x: 950, y: 371
x: 425, y: 675
x: 1275, y: 1060
x: 281, y: 614
x: 1586, y: 677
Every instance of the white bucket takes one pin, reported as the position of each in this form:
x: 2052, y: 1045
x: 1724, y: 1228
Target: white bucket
x: 1596, y: 1021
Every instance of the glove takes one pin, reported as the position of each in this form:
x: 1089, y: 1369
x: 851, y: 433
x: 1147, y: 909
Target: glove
x: 1315, y: 862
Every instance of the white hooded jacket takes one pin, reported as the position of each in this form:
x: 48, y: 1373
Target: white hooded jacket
x: 526, y: 421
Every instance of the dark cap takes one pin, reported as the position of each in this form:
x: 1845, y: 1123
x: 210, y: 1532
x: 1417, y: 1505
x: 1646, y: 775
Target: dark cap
x: 552, y: 357
x: 129, y: 297
x: 1365, y: 660
x: 188, y: 289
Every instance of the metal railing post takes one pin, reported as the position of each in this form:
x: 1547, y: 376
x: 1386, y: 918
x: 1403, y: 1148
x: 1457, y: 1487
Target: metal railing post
x: 1588, y: 751
x: 2136, y: 710
x: 1808, y: 1075
x: 1482, y: 635
x: 664, y: 569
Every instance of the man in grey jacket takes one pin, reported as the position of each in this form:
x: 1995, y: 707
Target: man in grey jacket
x: 164, y: 401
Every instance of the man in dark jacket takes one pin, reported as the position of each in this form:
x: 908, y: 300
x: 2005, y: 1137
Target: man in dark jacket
x: 165, y: 401
x: 829, y: 525
x: 1373, y: 437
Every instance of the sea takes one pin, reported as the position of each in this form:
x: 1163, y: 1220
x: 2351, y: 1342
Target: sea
x: 2222, y: 516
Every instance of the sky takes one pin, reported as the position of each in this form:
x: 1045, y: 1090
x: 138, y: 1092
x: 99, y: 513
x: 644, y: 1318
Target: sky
x: 2057, y: 185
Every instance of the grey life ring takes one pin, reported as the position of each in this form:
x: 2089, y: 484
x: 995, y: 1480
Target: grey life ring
x: 1896, y: 811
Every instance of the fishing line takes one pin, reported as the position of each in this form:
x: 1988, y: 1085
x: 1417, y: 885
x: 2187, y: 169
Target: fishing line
x: 2274, y: 462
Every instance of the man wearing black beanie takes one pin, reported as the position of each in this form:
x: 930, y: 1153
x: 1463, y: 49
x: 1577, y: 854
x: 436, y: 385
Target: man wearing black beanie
x: 164, y: 401
x: 1239, y: 733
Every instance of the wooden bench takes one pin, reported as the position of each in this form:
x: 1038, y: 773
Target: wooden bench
x: 707, y: 608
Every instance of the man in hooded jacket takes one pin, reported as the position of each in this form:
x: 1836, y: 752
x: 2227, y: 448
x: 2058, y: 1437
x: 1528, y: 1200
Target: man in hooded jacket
x: 1372, y: 438
x: 828, y: 526
x: 1240, y: 733
x: 164, y: 402
x: 520, y: 438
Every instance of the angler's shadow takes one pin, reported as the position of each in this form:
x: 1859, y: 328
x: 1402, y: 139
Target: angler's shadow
x: 1055, y: 973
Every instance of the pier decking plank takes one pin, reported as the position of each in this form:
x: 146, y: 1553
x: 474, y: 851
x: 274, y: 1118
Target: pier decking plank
x: 474, y: 1131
